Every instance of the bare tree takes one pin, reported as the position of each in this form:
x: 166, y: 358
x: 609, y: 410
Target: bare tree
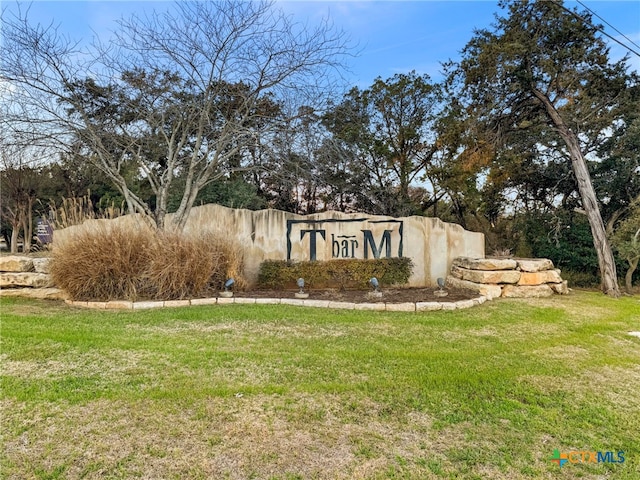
x: 182, y: 94
x: 19, y: 181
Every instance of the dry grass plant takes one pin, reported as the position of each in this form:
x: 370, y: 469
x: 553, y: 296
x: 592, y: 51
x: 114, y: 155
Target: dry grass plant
x: 76, y: 210
x: 182, y: 266
x: 112, y: 261
x: 104, y: 263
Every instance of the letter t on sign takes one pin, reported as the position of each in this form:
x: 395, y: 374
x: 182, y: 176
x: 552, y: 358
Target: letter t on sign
x: 312, y: 241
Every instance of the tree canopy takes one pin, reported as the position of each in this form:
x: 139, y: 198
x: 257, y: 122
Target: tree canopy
x: 542, y: 79
x: 184, y: 93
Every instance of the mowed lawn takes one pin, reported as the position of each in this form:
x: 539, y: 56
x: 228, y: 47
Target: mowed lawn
x: 280, y: 392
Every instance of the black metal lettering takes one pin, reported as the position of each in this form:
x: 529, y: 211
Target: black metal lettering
x: 385, y: 241
x: 312, y: 240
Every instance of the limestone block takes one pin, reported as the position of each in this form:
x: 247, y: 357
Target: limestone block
x: 534, y: 264
x: 224, y: 300
x: 119, y: 304
x: 41, y: 265
x: 538, y: 278
x: 15, y: 263
x: 457, y: 272
x: 490, y: 276
x: 204, y: 301
x: 268, y: 301
x: 428, y: 306
x: 316, y: 303
x: 292, y: 301
x: 343, y: 305
x: 489, y: 291
x: 449, y: 305
x: 244, y: 300
x: 535, y: 291
x: 401, y: 307
x: 38, y: 293
x: 144, y: 305
x: 560, y: 288
x: 480, y: 300
x: 370, y: 306
x: 465, y: 303
x: 485, y: 263
x: 177, y: 303
x: 23, y: 279
x: 97, y: 305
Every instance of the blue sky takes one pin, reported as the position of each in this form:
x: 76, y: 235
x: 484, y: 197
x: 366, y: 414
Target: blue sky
x: 392, y: 36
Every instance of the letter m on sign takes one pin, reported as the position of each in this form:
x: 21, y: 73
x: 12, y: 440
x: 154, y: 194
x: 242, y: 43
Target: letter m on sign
x: 605, y: 457
x: 369, y: 242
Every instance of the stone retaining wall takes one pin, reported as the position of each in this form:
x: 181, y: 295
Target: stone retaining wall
x: 507, y: 277
x: 27, y: 277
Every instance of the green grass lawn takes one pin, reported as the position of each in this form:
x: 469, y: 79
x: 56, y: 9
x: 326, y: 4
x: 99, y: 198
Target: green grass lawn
x: 276, y: 392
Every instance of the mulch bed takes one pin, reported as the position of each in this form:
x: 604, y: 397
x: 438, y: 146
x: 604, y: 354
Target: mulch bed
x: 389, y: 295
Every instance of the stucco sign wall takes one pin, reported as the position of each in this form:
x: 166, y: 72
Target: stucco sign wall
x: 276, y: 235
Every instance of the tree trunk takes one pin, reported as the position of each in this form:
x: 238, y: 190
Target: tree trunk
x: 606, y: 262
x: 15, y: 232
x: 633, y: 264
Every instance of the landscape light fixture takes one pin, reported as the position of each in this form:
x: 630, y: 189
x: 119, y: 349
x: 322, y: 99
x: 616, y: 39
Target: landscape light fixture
x: 441, y: 292
x: 301, y: 293
x: 228, y: 284
x: 376, y: 293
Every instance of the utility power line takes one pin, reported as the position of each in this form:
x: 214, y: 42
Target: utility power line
x: 607, y: 23
x: 601, y: 30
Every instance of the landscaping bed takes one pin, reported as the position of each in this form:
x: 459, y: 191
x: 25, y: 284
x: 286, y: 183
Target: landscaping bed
x: 389, y: 295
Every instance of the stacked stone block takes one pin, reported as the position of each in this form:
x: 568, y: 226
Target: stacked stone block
x: 27, y: 277
x: 507, y: 277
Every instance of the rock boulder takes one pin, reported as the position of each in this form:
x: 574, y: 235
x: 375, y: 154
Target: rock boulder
x: 489, y: 291
x: 520, y: 291
x: 534, y: 264
x: 485, y: 263
x: 14, y: 263
x: 25, y: 279
x: 538, y: 278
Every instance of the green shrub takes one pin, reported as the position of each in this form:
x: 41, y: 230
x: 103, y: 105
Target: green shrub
x: 580, y: 279
x: 343, y: 274
x: 112, y: 262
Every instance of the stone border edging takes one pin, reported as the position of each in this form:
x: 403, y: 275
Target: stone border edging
x: 389, y: 307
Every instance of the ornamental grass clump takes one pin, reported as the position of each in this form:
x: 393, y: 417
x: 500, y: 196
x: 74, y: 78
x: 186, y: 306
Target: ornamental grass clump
x: 113, y: 261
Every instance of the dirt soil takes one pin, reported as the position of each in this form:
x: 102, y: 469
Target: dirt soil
x: 389, y: 295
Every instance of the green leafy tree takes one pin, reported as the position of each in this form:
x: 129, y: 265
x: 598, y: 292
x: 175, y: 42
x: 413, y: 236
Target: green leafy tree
x: 388, y: 130
x: 544, y: 69
x: 626, y: 240
x: 617, y: 177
